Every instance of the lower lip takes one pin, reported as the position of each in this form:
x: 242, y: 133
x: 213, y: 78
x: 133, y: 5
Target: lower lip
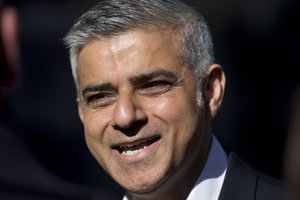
x: 140, y: 155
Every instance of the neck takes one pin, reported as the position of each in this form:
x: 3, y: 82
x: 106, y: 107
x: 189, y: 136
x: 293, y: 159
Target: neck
x: 179, y: 184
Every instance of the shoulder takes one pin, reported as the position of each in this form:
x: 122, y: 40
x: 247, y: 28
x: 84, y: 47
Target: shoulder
x: 271, y: 188
x: 242, y: 182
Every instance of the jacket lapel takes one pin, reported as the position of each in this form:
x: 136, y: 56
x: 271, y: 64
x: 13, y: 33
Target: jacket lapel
x: 240, y: 181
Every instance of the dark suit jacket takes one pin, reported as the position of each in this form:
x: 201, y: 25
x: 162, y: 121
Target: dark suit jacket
x: 244, y: 183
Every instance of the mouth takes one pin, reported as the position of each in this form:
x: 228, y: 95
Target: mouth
x: 133, y: 148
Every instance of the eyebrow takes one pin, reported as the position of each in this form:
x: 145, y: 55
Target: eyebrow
x: 97, y: 88
x: 141, y: 78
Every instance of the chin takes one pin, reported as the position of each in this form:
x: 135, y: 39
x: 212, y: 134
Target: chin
x: 144, y: 184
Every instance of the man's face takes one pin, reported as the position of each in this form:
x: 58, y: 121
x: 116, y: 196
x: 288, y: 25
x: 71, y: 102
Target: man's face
x: 138, y: 106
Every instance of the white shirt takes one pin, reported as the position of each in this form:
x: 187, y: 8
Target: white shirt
x: 209, y: 183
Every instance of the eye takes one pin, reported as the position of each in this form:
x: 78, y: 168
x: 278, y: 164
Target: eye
x: 155, y: 87
x: 99, y: 100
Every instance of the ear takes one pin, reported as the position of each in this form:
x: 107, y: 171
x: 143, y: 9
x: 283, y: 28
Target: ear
x: 80, y: 109
x: 214, y: 87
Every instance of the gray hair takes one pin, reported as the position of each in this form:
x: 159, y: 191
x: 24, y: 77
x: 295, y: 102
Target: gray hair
x: 113, y: 17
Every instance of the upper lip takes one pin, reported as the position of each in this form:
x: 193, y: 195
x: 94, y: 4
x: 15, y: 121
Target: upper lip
x: 135, y: 142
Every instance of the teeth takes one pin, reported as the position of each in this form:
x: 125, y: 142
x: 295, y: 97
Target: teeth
x: 134, y: 148
x: 130, y: 153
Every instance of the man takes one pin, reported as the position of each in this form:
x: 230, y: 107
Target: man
x: 148, y: 89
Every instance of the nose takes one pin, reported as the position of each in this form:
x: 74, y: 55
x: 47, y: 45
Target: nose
x: 127, y: 112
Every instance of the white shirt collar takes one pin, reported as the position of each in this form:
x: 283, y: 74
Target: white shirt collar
x: 208, y: 185
x: 210, y: 181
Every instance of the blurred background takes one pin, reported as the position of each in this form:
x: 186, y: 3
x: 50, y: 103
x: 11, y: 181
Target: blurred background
x: 257, y: 43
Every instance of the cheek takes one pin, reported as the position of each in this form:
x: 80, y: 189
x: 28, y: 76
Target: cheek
x: 177, y: 116
x: 172, y: 108
x: 95, y: 123
x: 165, y: 109
x: 180, y: 118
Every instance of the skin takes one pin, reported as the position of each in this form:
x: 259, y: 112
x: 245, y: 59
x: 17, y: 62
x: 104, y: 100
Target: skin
x: 9, y: 40
x: 9, y: 34
x: 134, y: 86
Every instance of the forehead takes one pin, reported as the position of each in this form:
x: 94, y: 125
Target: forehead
x: 150, y: 39
x: 132, y: 51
